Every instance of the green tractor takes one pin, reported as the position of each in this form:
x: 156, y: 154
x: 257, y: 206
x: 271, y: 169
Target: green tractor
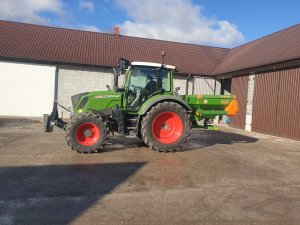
x: 145, y: 105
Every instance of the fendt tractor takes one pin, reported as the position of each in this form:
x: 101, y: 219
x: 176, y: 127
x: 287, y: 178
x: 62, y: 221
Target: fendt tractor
x: 145, y: 105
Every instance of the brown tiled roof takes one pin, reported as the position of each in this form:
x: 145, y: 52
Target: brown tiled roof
x: 277, y: 47
x: 58, y: 45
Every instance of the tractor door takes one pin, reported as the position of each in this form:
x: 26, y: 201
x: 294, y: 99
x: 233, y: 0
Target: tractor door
x: 145, y: 82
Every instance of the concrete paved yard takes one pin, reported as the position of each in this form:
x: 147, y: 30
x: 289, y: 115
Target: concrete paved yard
x: 221, y: 177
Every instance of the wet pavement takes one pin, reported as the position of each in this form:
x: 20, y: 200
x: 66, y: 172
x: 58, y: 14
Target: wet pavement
x: 220, y: 177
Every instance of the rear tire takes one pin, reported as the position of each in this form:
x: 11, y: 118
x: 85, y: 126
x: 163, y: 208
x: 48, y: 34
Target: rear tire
x: 166, y: 127
x: 86, y: 133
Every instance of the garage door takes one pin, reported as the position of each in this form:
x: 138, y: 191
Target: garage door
x: 265, y: 102
x: 26, y: 89
x: 276, y: 103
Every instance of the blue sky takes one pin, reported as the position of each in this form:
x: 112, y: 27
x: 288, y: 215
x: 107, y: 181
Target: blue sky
x: 224, y: 23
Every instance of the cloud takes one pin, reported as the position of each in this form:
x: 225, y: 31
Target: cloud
x: 177, y: 20
x: 87, y: 4
x: 29, y: 11
x: 89, y: 28
x: 33, y: 11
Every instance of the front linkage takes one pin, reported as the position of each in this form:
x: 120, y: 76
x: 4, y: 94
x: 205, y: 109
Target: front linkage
x: 53, y: 119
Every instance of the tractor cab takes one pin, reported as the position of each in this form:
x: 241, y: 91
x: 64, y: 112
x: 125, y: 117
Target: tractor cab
x: 145, y: 80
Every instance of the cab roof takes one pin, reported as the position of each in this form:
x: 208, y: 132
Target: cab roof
x: 152, y: 65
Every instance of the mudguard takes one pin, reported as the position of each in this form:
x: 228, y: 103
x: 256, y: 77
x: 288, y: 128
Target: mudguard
x: 153, y: 101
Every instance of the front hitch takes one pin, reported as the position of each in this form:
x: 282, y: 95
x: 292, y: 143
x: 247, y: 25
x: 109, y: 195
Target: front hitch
x: 48, y: 123
x: 53, y: 120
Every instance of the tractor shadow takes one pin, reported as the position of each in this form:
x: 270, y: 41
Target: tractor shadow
x: 204, y: 138
x: 57, y: 194
x: 121, y: 142
x: 199, y: 139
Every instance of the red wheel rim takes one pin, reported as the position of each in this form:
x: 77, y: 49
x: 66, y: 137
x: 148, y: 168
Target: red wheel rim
x: 87, y: 134
x: 167, y: 127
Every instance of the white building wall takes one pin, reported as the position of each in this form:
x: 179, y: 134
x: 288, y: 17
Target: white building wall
x: 26, y: 89
x: 74, y: 80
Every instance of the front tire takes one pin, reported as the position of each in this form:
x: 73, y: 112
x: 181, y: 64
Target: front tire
x: 86, y: 133
x: 166, y: 127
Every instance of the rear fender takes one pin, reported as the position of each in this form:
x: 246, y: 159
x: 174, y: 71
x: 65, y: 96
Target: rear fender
x: 155, y: 100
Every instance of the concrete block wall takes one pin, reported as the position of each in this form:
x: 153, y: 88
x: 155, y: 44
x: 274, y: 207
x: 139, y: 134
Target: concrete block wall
x: 179, y: 80
x: 201, y: 86
x: 218, y: 88
x: 204, y: 86
x: 73, y: 80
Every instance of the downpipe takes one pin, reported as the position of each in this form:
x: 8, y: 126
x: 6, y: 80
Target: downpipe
x: 187, y: 84
x: 53, y: 119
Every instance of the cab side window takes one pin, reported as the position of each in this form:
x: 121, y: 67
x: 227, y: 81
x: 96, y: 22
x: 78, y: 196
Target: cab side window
x: 165, y: 82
